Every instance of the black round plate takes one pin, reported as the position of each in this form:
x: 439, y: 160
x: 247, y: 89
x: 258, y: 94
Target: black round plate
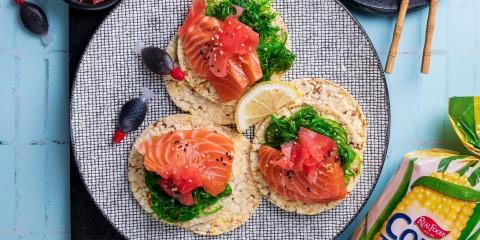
x: 383, y: 6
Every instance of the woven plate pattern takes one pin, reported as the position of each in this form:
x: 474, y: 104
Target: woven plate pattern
x: 328, y: 43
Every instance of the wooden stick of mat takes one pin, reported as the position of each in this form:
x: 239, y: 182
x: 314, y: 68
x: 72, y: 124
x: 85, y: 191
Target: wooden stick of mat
x: 427, y: 49
x: 396, y: 36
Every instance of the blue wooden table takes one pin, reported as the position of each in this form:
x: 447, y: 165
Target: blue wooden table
x: 34, y: 101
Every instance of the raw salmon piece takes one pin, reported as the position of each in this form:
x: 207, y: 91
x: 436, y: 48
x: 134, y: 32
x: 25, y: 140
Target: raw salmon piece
x: 251, y: 66
x: 196, y: 35
x: 223, y: 52
x: 292, y: 178
x: 231, y: 90
x: 188, y: 159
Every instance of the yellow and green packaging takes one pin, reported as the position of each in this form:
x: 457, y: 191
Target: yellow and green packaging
x: 435, y: 194
x: 464, y: 114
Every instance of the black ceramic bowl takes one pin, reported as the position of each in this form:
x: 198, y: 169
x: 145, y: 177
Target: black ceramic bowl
x: 90, y: 6
x: 383, y: 6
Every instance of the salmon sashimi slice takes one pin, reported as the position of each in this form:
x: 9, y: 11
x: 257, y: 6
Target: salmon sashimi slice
x: 309, y: 173
x: 251, y: 66
x: 189, y: 159
x: 197, y: 42
x: 223, y: 52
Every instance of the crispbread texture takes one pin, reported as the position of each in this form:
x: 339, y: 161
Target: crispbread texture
x: 189, y: 100
x: 237, y: 207
x: 335, y: 104
x: 196, y: 95
x: 201, y: 85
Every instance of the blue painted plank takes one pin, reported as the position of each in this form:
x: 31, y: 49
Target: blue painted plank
x: 460, y: 17
x: 380, y: 32
x: 57, y: 128
x: 32, y: 93
x: 411, y: 38
x: 8, y: 13
x: 462, y: 69
x: 431, y: 106
x: 57, y: 10
x: 7, y: 99
x: 441, y: 34
x: 476, y: 86
x: 57, y: 190
x: 31, y: 195
x: 403, y: 98
x: 7, y: 188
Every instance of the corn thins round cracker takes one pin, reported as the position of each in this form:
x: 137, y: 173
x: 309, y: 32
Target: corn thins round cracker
x: 332, y: 102
x: 196, y: 95
x: 237, y: 207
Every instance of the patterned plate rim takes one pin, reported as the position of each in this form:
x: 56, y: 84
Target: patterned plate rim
x: 379, y: 65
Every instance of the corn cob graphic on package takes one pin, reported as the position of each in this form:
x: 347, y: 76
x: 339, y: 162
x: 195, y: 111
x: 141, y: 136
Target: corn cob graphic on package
x: 435, y: 194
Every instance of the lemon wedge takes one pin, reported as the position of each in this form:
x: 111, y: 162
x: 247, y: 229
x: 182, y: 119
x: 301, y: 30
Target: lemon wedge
x: 261, y: 101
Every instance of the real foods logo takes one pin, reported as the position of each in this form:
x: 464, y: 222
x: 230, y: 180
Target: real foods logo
x: 430, y: 228
x: 399, y: 226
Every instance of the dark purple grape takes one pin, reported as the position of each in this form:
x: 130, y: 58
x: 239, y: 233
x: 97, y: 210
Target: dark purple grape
x: 157, y: 60
x: 33, y: 18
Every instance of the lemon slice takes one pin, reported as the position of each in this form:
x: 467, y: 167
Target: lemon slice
x: 261, y: 101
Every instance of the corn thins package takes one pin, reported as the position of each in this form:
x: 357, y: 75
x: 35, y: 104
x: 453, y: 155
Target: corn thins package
x: 435, y: 194
x: 464, y: 114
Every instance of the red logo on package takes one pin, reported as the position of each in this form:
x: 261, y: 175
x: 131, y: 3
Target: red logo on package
x: 430, y: 228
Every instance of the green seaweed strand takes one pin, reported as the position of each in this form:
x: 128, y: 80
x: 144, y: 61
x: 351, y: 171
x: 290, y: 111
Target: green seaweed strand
x: 169, y: 209
x: 285, y: 129
x: 273, y: 54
